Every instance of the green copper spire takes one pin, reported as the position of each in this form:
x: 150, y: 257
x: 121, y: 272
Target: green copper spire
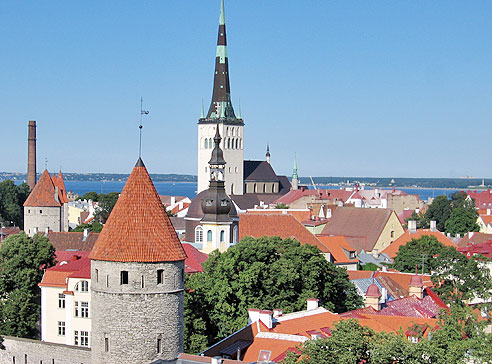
x: 222, y: 13
x: 294, y: 173
x: 239, y: 110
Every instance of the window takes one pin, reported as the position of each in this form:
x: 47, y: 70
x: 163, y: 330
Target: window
x: 209, y: 235
x: 222, y: 235
x: 235, y: 234
x: 97, y: 275
x: 61, y: 328
x: 159, y: 345
x: 84, y: 338
x: 237, y: 143
x: 61, y: 300
x: 84, y: 286
x: 205, y: 144
x: 106, y: 344
x: 160, y: 276
x: 76, y: 338
x: 124, y: 277
x: 392, y: 234
x: 143, y: 282
x: 198, y: 234
x: 76, y: 309
x: 107, y: 281
x: 40, y: 211
x: 84, y: 310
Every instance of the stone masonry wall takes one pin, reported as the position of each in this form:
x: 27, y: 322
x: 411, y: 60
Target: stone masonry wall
x: 134, y: 319
x: 42, y: 218
x: 26, y: 351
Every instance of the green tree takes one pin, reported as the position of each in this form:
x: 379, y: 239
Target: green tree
x: 461, y: 221
x: 22, y: 261
x: 12, y: 199
x: 265, y: 273
x: 89, y: 196
x: 458, y: 336
x: 455, y: 276
x: 95, y: 227
x: 439, y: 210
x: 281, y: 205
x: 420, y: 218
x: 105, y: 206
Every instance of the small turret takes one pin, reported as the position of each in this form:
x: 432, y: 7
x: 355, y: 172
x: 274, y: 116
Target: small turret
x: 268, y: 154
x: 416, y: 286
x: 372, y: 297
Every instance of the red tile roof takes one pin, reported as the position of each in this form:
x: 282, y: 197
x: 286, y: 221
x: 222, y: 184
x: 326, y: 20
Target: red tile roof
x: 362, y: 227
x: 474, y: 238
x: 338, y: 247
x: 283, y: 225
x: 69, y: 264
x: 393, y: 248
x: 484, y: 249
x: 300, y: 214
x: 402, y: 279
x: 138, y: 229
x: 195, y: 259
x: 71, y: 240
x: 332, y: 195
x: 483, y: 199
x: 404, y: 215
x: 43, y: 193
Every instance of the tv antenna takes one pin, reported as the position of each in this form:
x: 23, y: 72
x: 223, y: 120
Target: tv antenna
x: 142, y: 113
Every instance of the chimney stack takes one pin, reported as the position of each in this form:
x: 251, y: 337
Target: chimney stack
x: 433, y: 225
x: 412, y: 226
x: 31, y: 154
x: 312, y: 304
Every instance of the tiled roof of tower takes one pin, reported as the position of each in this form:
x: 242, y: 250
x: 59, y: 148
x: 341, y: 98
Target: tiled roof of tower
x: 138, y: 229
x: 43, y: 194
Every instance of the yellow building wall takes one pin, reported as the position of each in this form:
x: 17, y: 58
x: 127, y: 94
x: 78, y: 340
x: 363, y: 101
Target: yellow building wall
x: 386, y: 237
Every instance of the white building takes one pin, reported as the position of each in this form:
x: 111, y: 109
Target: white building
x: 66, y: 300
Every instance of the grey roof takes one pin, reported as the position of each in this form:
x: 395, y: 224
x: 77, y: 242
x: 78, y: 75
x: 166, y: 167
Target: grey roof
x: 249, y: 200
x: 284, y: 185
x: 178, y: 222
x: 363, y: 284
x: 195, y: 208
x: 365, y: 258
x: 259, y: 171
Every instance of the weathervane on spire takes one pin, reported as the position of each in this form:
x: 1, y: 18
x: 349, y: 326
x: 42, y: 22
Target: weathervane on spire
x: 142, y: 113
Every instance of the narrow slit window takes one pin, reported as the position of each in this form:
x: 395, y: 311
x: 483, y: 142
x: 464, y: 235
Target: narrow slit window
x: 124, y: 277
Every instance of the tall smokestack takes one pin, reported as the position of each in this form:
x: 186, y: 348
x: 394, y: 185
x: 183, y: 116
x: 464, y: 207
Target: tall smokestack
x: 31, y: 155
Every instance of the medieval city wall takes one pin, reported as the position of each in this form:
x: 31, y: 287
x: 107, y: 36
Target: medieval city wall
x: 27, y: 351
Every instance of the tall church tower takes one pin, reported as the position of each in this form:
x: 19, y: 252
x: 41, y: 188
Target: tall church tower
x: 137, y: 285
x: 221, y: 114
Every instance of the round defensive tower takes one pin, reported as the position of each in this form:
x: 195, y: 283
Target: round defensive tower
x: 137, y: 280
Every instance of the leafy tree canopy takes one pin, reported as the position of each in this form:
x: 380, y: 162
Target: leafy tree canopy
x: 461, y: 221
x: 22, y: 260
x: 455, y: 276
x: 12, y: 199
x: 262, y: 273
x: 458, y: 337
x: 281, y: 205
x: 439, y: 210
x: 106, y: 203
x: 90, y: 196
x: 95, y: 227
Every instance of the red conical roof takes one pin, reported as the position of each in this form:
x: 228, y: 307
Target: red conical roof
x: 373, y: 291
x: 43, y: 193
x: 138, y: 229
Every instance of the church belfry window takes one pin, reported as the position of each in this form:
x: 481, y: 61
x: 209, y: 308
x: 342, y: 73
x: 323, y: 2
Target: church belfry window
x: 222, y: 235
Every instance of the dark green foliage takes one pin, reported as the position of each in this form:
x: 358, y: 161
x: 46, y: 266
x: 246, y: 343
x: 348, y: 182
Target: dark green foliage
x: 459, y: 335
x: 455, y: 216
x: 281, y: 205
x: 105, y: 206
x: 461, y: 221
x: 370, y: 266
x: 22, y: 261
x: 263, y: 273
x: 95, y: 227
x: 90, y: 196
x: 420, y: 218
x: 439, y: 211
x: 455, y: 276
x: 12, y: 199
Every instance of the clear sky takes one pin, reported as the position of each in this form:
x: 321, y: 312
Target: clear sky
x: 355, y: 88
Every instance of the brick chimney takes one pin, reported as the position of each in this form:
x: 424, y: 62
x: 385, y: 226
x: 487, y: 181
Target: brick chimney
x: 31, y: 154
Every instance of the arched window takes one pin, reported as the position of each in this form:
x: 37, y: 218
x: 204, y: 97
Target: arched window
x: 205, y: 143
x: 222, y: 235
x: 232, y: 188
x: 198, y: 234
x: 235, y: 234
x: 210, y: 143
x: 237, y: 141
x: 241, y: 143
x: 84, y: 286
x: 209, y: 235
x: 228, y: 143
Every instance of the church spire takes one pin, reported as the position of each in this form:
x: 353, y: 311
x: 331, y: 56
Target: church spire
x: 221, y: 105
x: 295, y: 176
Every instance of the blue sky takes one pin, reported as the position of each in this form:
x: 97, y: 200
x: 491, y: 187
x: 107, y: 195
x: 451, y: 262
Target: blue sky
x: 355, y: 88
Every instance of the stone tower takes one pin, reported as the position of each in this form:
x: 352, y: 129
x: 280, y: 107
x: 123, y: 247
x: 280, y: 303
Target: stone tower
x: 137, y: 285
x: 219, y: 228
x: 31, y: 154
x: 46, y: 207
x: 221, y: 115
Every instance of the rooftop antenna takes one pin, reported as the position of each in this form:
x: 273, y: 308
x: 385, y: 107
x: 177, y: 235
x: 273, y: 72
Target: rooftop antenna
x: 142, y: 113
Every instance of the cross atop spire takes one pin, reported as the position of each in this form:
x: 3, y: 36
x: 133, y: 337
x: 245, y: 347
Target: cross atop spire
x: 221, y: 96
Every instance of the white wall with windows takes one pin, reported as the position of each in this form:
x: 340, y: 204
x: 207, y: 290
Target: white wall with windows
x: 66, y: 312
